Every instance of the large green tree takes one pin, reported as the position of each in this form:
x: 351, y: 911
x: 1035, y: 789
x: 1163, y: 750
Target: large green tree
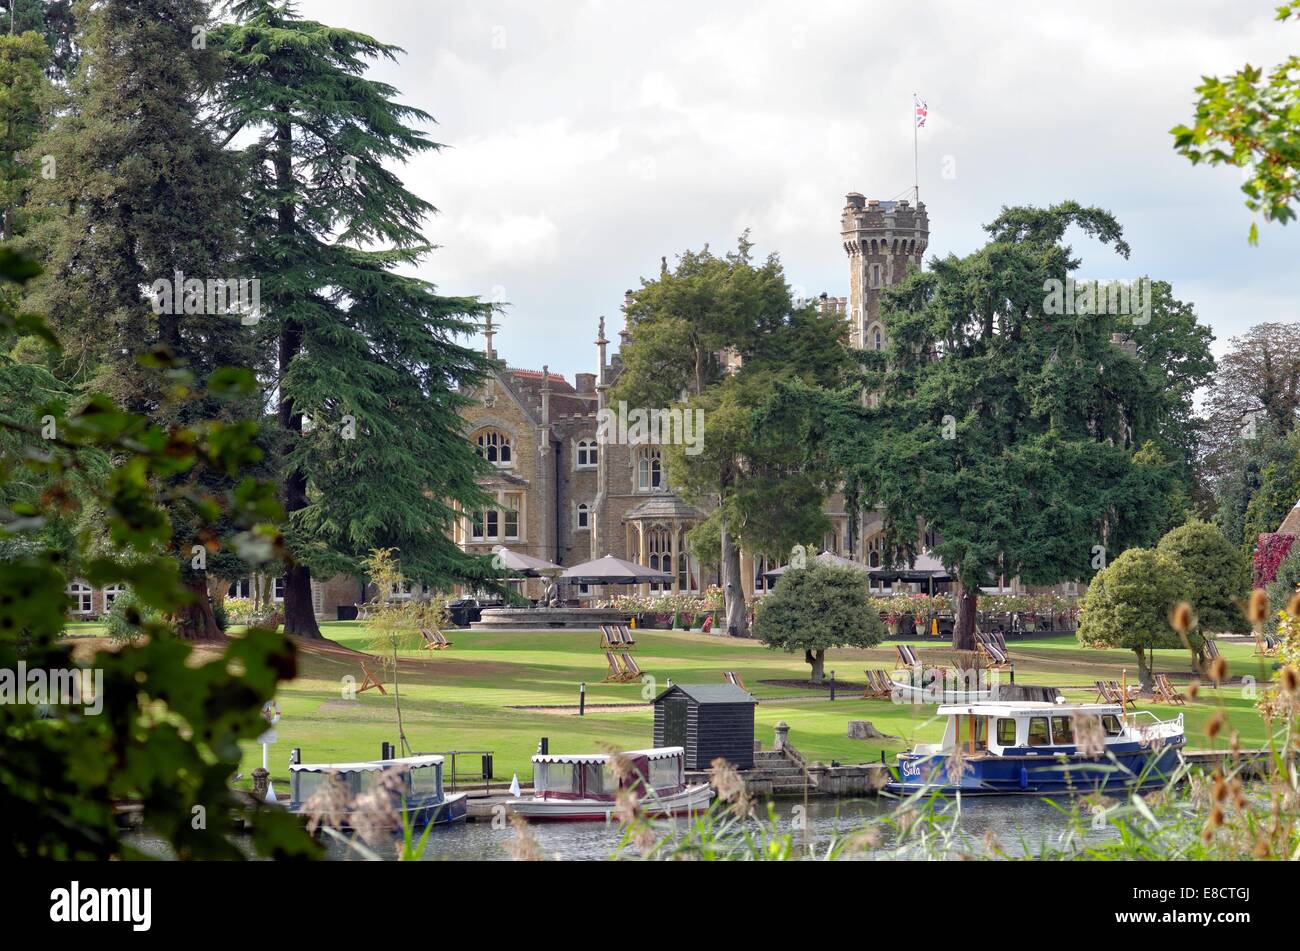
x: 149, y: 201
x: 716, y: 334
x: 24, y: 97
x: 369, y: 370
x: 1029, y: 439
x: 816, y: 608
x: 1129, y: 603
x: 1220, y: 571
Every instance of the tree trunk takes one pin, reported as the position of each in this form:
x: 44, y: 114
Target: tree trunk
x: 817, y: 661
x: 299, y: 617
x: 299, y: 614
x: 733, y: 591
x: 963, y: 631
x: 1144, y: 669
x: 195, y: 621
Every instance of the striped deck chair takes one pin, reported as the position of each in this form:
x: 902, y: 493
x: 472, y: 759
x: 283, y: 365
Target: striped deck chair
x: 441, y: 638
x: 731, y: 677
x: 625, y: 635
x: 1103, y: 692
x: 1211, y: 650
x: 430, y: 643
x: 998, y: 658
x: 608, y: 636
x: 907, y: 657
x: 997, y: 638
x: 1118, y: 695
x: 1269, y: 647
x: 876, y: 690
x: 1166, y: 691
x: 615, y: 674
x: 632, y: 671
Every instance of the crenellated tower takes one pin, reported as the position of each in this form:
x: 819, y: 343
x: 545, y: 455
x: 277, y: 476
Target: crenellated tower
x: 883, y: 240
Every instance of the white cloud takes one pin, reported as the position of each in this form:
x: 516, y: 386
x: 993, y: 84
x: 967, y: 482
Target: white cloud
x: 587, y: 139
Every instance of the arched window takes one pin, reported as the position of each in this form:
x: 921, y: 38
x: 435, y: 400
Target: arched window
x: 649, y: 471
x: 82, y: 596
x: 659, y: 549
x: 494, y: 446
x: 874, y: 547
x: 880, y: 341
x: 587, y: 455
x: 584, y: 515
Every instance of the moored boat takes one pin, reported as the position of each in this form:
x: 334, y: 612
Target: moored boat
x: 585, y: 787
x: 1031, y: 748
x: 417, y: 793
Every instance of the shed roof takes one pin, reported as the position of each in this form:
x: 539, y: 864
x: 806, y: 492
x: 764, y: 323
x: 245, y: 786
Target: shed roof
x: 711, y: 693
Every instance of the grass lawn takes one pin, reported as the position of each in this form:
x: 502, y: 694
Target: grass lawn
x: 468, y: 697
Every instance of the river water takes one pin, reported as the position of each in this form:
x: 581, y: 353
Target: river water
x: 1021, y: 825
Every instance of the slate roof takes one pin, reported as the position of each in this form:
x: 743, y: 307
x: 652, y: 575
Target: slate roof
x: 711, y: 693
x: 664, y: 505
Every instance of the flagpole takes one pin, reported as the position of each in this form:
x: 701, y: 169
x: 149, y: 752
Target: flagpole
x: 916, y: 161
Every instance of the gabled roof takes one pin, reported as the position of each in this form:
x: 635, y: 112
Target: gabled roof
x: 711, y: 693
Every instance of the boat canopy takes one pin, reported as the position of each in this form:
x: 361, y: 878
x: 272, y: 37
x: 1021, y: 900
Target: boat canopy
x: 663, y: 752
x: 1027, y: 708
x: 376, y: 765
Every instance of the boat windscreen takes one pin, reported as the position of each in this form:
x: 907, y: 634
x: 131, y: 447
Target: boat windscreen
x: 424, y: 781
x: 561, y: 778
x: 306, y: 783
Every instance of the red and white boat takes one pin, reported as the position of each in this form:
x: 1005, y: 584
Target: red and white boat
x: 583, y: 787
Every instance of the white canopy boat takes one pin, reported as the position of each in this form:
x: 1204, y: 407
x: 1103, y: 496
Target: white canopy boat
x: 420, y: 798
x: 583, y: 787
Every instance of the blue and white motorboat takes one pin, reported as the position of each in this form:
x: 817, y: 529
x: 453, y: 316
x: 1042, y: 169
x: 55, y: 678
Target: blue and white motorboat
x: 1030, y: 748
x: 419, y: 796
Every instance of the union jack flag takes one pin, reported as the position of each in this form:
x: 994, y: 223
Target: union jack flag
x: 921, y: 112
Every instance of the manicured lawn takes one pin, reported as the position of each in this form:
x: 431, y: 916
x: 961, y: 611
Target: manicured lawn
x: 469, y: 697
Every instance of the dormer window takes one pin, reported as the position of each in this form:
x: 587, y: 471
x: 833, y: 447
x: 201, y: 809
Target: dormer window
x: 494, y: 446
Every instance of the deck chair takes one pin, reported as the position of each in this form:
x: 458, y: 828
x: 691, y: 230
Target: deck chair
x: 731, y: 677
x: 1103, y: 692
x: 1211, y: 650
x: 1269, y: 647
x: 441, y: 638
x: 1119, y: 696
x: 608, y: 636
x: 633, y: 672
x: 907, y: 657
x: 615, y: 674
x: 624, y: 635
x: 998, y: 659
x: 875, y: 689
x: 370, y: 681
x: 1166, y: 692
x: 997, y: 638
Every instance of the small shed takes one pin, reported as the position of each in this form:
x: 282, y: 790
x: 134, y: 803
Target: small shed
x: 708, y: 721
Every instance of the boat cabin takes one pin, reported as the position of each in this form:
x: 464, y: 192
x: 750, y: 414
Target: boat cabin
x: 1037, y: 728
x: 421, y: 775
x: 659, y: 771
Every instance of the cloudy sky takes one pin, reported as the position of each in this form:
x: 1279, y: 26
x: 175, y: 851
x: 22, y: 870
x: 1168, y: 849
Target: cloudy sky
x: 588, y: 138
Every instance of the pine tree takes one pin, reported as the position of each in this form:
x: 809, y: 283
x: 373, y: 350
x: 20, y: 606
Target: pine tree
x: 145, y: 193
x: 369, y: 371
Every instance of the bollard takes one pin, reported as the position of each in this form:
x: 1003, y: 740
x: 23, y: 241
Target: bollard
x: 261, y: 780
x: 295, y: 756
x: 832, y: 686
x: 544, y: 747
x: 582, y: 699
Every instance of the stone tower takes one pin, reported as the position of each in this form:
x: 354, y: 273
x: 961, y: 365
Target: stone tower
x: 883, y: 239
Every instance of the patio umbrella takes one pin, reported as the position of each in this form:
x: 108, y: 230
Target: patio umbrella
x: 611, y: 570
x: 924, y: 567
x: 824, y: 558
x: 522, y: 564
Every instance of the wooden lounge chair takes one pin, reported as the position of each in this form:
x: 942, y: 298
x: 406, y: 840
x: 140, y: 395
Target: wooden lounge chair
x: 608, y: 636
x: 1269, y: 647
x: 997, y: 638
x: 1166, y: 692
x: 633, y: 672
x: 624, y: 635
x: 1210, y: 651
x: 616, y: 673
x: 370, y: 681
x: 1120, y: 697
x: 434, y: 640
x: 1103, y: 692
x: 731, y: 677
x: 907, y: 657
x: 998, y: 658
x: 879, y: 686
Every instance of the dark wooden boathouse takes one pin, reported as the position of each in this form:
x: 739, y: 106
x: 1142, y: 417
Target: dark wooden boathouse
x: 708, y: 721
